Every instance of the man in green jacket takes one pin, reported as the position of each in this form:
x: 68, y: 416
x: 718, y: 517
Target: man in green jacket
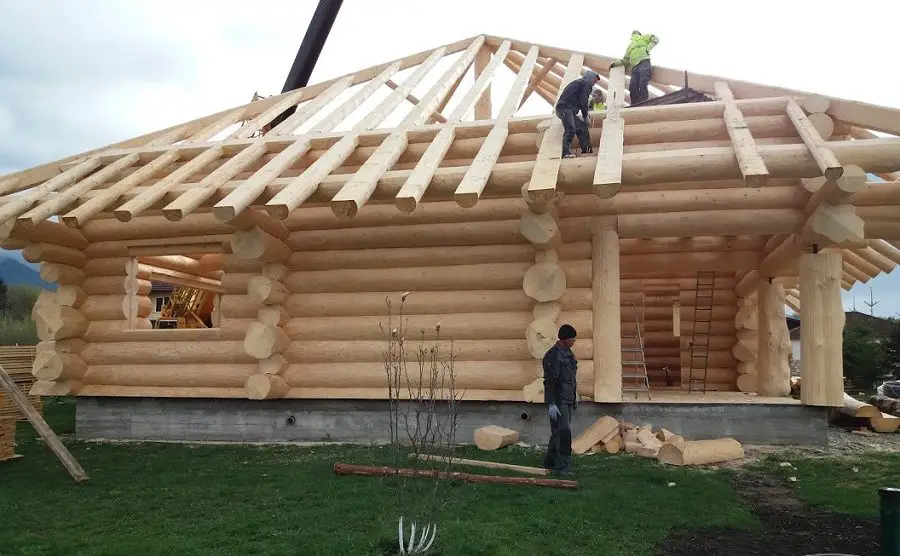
x: 637, y: 57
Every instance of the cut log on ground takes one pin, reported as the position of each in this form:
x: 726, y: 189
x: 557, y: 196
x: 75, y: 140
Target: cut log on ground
x: 493, y: 437
x: 350, y: 469
x: 856, y: 408
x: 602, y: 430
x: 614, y: 445
x: 487, y: 464
x: 701, y: 452
x: 885, y: 423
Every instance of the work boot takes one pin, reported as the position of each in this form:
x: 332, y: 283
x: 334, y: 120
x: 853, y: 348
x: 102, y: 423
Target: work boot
x: 568, y: 155
x: 589, y: 149
x: 567, y: 472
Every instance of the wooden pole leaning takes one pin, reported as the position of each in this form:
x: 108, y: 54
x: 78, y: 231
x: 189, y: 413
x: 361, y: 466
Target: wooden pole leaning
x: 41, y: 426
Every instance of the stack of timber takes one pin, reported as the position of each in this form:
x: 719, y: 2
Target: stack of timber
x: 609, y: 436
x: 7, y: 439
x: 18, y: 362
x: 873, y: 415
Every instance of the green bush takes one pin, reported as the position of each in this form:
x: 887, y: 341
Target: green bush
x: 863, y: 357
x: 17, y: 332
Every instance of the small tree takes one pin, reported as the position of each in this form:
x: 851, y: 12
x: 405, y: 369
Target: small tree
x: 423, y: 421
x: 862, y: 356
x: 891, y: 347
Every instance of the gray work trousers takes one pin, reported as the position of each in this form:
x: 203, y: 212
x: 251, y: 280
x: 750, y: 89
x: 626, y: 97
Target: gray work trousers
x: 559, y: 448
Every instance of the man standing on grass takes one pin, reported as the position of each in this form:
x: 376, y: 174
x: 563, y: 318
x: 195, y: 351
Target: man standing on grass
x: 560, y: 394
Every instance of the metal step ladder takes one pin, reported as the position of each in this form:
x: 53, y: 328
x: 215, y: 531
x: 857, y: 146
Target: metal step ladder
x: 703, y: 304
x: 634, y: 366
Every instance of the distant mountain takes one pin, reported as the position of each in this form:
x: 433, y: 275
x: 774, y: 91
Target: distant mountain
x: 14, y: 272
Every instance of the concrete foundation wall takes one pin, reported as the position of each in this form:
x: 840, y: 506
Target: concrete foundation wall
x: 236, y: 420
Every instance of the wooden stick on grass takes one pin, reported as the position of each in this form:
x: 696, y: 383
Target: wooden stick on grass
x: 369, y: 471
x: 487, y: 464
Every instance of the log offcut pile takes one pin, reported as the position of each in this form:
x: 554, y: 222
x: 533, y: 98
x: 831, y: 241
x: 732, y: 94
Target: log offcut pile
x: 883, y: 415
x: 610, y: 436
x: 18, y: 362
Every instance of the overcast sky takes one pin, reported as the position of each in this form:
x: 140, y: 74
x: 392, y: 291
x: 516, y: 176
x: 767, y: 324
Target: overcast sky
x: 75, y: 75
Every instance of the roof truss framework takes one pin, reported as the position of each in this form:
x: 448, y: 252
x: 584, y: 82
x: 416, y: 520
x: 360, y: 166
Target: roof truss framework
x: 753, y: 141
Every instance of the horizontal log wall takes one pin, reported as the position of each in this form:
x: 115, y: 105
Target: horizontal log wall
x: 464, y: 269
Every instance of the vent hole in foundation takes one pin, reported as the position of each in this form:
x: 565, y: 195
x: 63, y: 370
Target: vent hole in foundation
x: 524, y: 416
x: 291, y: 420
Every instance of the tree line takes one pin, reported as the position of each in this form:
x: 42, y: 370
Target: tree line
x: 16, y: 325
x: 869, y: 357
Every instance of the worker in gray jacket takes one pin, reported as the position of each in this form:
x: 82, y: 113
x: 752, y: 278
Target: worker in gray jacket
x: 575, y: 98
x: 560, y: 386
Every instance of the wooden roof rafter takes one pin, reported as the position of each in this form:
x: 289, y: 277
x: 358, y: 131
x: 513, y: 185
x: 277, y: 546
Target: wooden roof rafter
x: 183, y: 169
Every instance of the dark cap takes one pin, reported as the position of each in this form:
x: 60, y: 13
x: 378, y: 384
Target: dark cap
x: 566, y: 332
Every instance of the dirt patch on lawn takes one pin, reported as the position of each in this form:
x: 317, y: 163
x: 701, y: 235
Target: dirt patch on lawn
x: 790, y: 528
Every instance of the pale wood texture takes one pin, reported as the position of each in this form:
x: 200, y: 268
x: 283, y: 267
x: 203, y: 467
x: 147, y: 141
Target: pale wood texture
x: 486, y: 464
x: 701, y: 452
x: 772, y: 365
x: 856, y: 408
x: 607, y: 336
x: 821, y: 336
x: 41, y: 426
x: 493, y: 437
x: 602, y: 430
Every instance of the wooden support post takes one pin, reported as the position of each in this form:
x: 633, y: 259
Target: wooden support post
x: 821, y: 336
x: 752, y: 166
x: 773, y: 370
x: 606, y: 313
x: 608, y: 173
x: 41, y: 426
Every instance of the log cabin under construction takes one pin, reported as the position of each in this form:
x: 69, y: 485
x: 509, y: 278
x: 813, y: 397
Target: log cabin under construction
x: 693, y: 223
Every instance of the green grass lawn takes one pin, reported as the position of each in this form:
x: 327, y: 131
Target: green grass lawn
x: 146, y: 498
x: 831, y: 483
x: 157, y: 498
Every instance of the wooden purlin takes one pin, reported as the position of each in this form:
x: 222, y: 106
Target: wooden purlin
x: 299, y: 190
x: 414, y: 187
x: 608, y: 171
x: 752, y: 166
x: 472, y: 185
x: 310, y: 108
x: 542, y: 186
x: 828, y: 163
x: 358, y: 189
x: 546, y: 66
x: 241, y: 198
